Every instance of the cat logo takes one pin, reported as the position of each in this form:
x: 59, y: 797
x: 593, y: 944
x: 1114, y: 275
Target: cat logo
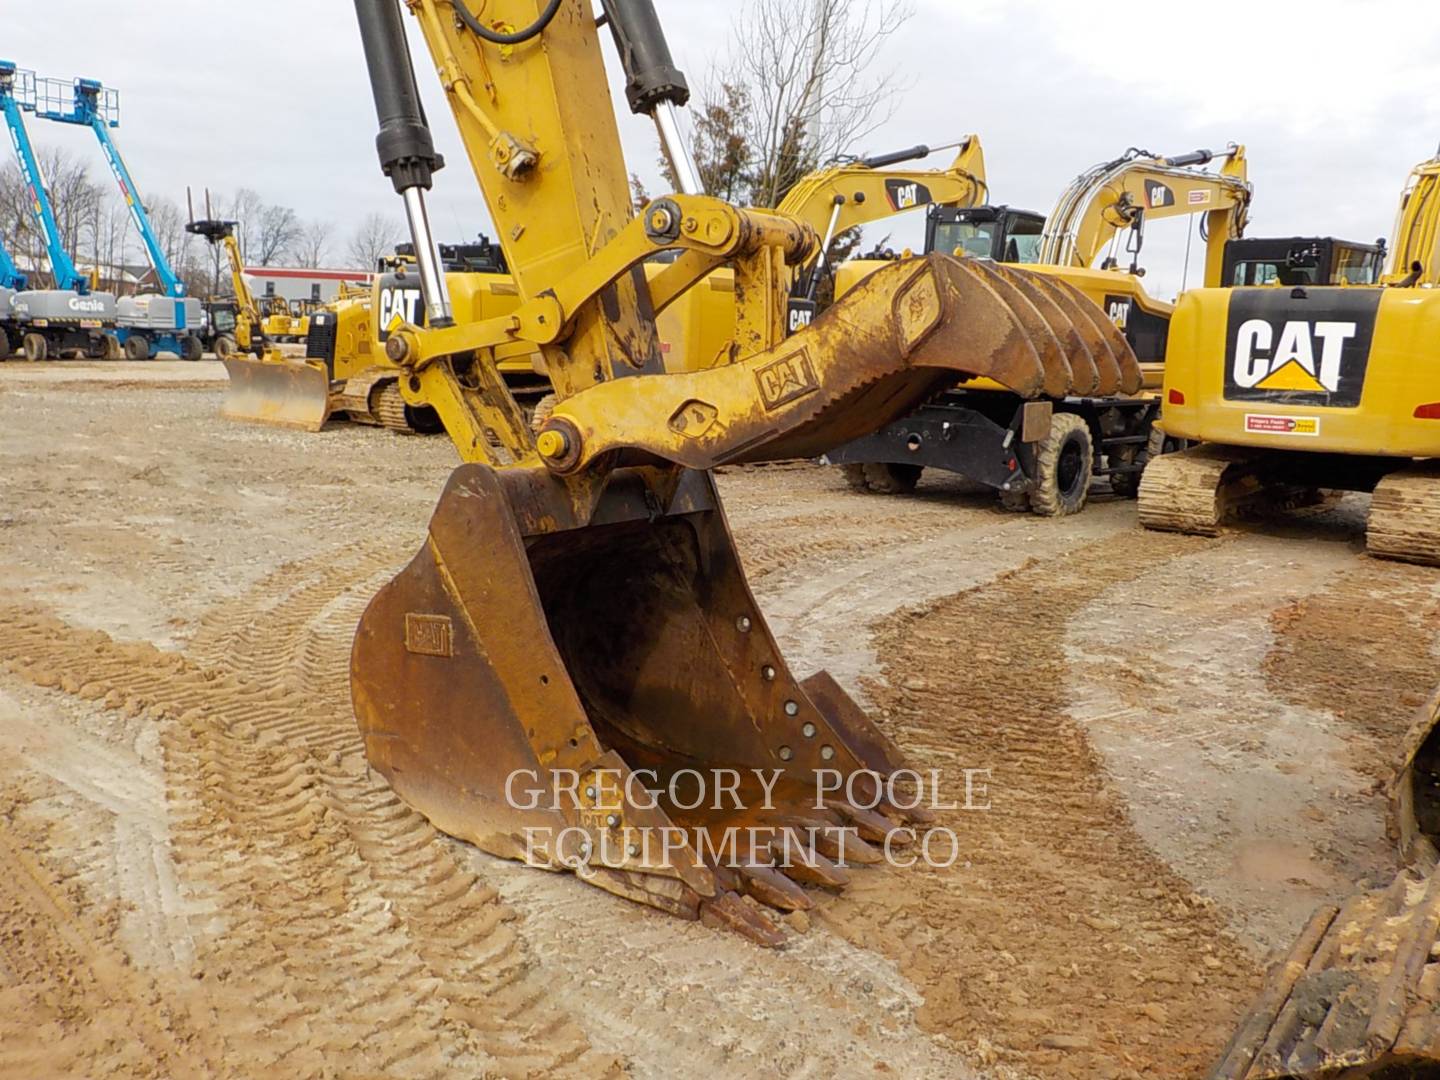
x: 800, y: 315
x: 1158, y: 195
x: 1300, y: 351
x: 1118, y: 308
x: 399, y: 304
x: 906, y: 194
x: 782, y: 381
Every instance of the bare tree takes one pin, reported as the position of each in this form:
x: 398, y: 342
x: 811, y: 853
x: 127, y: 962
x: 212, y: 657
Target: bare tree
x: 374, y: 237
x: 245, y: 208
x: 798, y: 88
x: 312, y: 246
x: 276, y: 229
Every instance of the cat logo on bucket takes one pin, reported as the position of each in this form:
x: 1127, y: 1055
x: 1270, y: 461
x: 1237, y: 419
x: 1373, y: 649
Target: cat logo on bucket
x: 1299, y: 348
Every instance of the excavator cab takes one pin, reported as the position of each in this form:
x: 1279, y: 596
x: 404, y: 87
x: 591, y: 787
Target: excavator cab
x: 1002, y: 233
x: 1301, y: 260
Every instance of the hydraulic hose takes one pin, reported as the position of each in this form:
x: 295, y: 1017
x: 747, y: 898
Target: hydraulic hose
x: 497, y: 38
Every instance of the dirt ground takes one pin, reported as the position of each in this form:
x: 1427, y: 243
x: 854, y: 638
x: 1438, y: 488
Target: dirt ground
x: 199, y: 876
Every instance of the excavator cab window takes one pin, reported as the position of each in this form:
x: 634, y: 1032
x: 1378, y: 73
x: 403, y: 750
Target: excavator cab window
x: 986, y: 232
x: 1321, y: 260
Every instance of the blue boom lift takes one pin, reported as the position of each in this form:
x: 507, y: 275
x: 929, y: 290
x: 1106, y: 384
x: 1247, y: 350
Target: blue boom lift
x: 150, y: 324
x: 11, y: 282
x: 69, y: 317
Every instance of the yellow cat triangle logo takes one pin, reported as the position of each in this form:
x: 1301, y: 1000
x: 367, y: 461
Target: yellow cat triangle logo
x: 1290, y: 376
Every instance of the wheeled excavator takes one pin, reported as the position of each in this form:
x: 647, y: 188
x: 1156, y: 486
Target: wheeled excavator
x: 1041, y: 455
x: 577, y: 632
x: 1293, y: 389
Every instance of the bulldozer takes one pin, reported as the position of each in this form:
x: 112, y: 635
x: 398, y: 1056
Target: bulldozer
x: 575, y: 644
x: 268, y: 386
x: 1041, y: 455
x: 1295, y: 389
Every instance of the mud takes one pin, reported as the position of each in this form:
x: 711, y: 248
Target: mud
x: 198, y: 875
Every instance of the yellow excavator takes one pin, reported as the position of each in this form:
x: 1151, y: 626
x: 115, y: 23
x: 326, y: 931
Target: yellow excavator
x: 251, y: 396
x: 575, y: 646
x: 362, y: 385
x: 1041, y: 455
x: 1296, y: 388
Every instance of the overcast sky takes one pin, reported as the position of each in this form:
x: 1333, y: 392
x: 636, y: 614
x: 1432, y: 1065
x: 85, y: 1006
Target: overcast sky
x: 1335, y: 101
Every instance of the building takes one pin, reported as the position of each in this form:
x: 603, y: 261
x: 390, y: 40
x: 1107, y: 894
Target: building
x: 300, y: 283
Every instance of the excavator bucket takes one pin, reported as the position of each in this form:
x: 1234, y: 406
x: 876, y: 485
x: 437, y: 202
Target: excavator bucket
x: 1359, y: 992
x: 608, y: 699
x: 281, y: 392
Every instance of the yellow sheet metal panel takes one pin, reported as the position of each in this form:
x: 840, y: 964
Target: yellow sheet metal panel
x: 1321, y: 370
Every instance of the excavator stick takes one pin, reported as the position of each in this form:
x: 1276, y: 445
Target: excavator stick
x: 280, y: 392
x: 526, y: 683
x: 1359, y: 992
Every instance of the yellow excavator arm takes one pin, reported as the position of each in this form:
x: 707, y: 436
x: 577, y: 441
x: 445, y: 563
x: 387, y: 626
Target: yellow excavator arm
x: 1415, y: 250
x: 1138, y: 187
x: 578, y: 610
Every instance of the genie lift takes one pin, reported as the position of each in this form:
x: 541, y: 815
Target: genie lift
x: 69, y: 317
x: 150, y: 324
x: 11, y: 282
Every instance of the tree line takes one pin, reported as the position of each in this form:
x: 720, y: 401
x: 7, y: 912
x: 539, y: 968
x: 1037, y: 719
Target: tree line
x: 98, y: 232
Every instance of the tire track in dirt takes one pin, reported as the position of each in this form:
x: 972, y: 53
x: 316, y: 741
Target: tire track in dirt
x: 70, y: 1003
x: 341, y: 932
x: 1365, y: 648
x: 1058, y: 942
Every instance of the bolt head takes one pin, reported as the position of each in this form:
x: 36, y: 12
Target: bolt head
x: 792, y: 708
x: 768, y: 673
x: 613, y: 820
x: 786, y: 753
x: 743, y: 624
x: 808, y: 730
x: 552, y: 444
x: 590, y: 793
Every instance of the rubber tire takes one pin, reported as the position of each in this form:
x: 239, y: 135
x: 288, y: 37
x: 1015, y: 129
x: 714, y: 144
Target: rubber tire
x: 113, y: 349
x: 191, y: 348
x: 887, y: 479
x: 855, y: 477
x: 225, y: 347
x: 7, y: 347
x: 1069, y: 438
x: 137, y: 347
x: 36, y: 347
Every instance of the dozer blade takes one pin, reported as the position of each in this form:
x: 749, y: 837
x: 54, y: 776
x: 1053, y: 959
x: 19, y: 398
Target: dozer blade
x: 527, y: 683
x: 1359, y: 992
x: 281, y: 392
